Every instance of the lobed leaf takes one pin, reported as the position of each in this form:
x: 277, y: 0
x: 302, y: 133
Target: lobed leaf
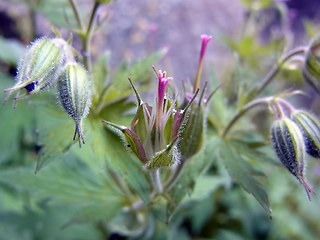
x: 241, y: 172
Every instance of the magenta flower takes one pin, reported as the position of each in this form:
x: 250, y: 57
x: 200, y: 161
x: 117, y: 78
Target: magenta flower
x: 155, y: 130
x: 205, y: 39
x: 163, y: 81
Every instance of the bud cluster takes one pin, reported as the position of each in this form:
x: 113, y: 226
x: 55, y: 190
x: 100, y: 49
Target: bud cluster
x: 164, y: 134
x: 48, y: 62
x: 293, y: 134
x: 155, y: 130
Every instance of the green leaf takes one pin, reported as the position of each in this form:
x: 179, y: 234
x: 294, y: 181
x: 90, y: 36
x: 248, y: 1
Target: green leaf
x: 118, y: 112
x: 43, y: 223
x: 204, y: 186
x: 241, y: 172
x: 106, y: 148
x: 55, y: 138
x: 11, y: 50
x: 69, y: 182
x: 58, y: 12
x: 99, y: 77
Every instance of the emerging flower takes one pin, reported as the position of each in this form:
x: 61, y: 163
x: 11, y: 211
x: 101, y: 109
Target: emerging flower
x: 205, y: 39
x: 192, y: 136
x: 155, y: 130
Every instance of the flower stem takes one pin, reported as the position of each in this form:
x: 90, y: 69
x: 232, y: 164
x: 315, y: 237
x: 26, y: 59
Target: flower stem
x: 264, y: 83
x: 276, y: 68
x: 240, y: 113
x: 76, y: 13
x: 92, y: 17
x: 156, y: 180
x: 85, y: 34
x: 174, y: 177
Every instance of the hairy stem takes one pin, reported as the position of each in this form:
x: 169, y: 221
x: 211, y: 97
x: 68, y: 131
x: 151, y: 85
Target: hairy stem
x: 174, y: 177
x: 245, y: 109
x: 156, y: 181
x: 86, y: 39
x: 276, y: 68
x: 85, y: 34
x: 264, y: 83
x: 76, y: 14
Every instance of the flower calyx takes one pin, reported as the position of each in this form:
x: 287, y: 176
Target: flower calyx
x: 155, y: 130
x: 39, y: 67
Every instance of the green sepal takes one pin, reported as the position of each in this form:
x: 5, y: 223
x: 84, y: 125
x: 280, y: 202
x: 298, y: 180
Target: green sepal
x: 310, y: 129
x: 132, y: 140
x: 192, y: 132
x: 287, y: 142
x: 138, y: 124
x: 164, y: 158
x: 168, y: 127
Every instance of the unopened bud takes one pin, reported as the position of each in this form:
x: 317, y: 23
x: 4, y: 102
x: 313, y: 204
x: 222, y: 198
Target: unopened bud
x: 74, y: 89
x: 311, y: 70
x: 287, y: 142
x: 39, y: 67
x: 310, y: 129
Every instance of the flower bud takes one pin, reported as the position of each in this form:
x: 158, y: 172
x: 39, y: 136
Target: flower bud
x: 287, y: 142
x: 74, y: 88
x: 310, y: 129
x: 132, y: 140
x: 311, y: 70
x: 192, y: 132
x: 39, y: 67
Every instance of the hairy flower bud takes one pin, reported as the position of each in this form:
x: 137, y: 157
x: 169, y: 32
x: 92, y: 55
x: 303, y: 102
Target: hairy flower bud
x: 132, y: 140
x: 287, y: 142
x: 39, y: 67
x: 192, y: 132
x: 74, y: 88
x: 311, y: 69
x: 310, y: 129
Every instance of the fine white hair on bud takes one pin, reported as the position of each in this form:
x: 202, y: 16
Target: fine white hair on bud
x: 74, y: 88
x: 39, y: 67
x: 287, y: 142
x: 310, y: 128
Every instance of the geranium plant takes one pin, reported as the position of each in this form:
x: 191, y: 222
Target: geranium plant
x: 113, y: 162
